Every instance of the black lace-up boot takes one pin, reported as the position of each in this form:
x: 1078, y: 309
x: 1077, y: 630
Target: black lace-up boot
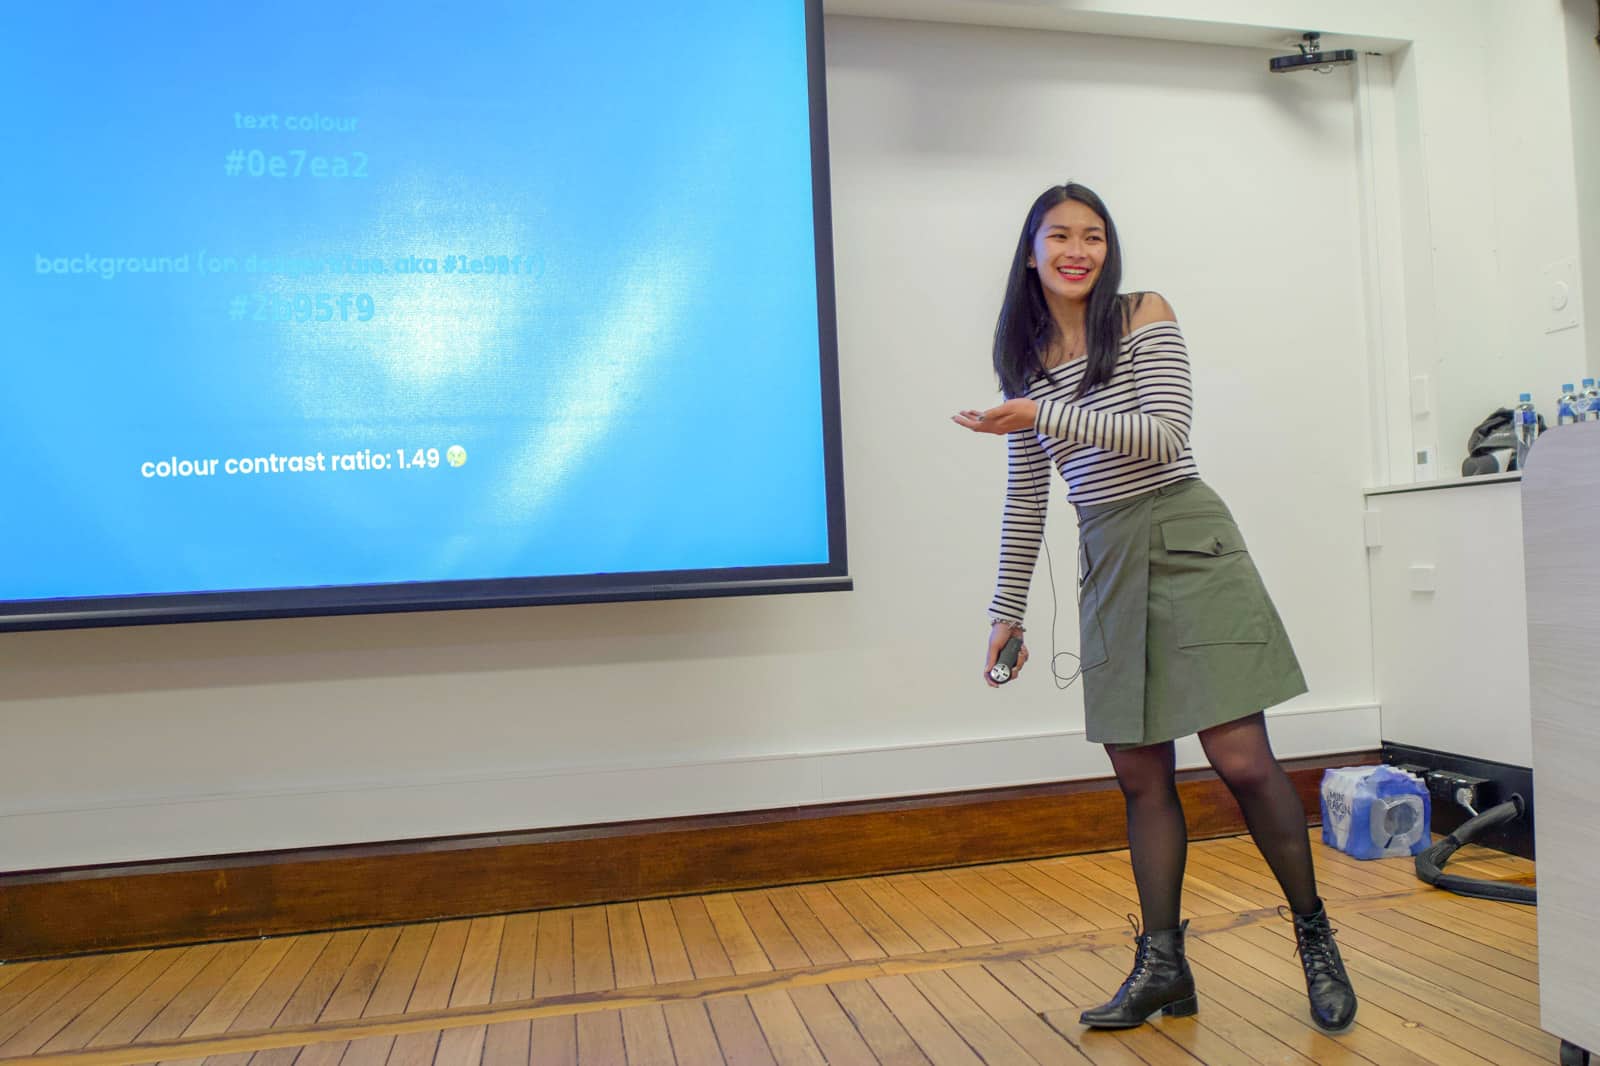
x: 1333, y: 1000
x: 1160, y: 981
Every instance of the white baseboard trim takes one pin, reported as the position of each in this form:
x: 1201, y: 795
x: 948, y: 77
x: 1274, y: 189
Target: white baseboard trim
x: 174, y: 827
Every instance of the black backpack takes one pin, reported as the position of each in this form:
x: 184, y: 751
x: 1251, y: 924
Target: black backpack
x: 1492, y: 445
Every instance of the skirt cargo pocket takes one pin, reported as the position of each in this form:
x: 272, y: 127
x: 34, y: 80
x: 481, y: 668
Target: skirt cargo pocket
x: 1217, y: 596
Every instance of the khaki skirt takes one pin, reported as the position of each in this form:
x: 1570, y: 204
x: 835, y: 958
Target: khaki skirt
x: 1177, y: 631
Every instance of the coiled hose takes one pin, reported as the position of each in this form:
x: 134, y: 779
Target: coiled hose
x: 1430, y: 863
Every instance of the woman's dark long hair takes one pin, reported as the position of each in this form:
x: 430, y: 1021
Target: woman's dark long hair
x: 1025, y: 330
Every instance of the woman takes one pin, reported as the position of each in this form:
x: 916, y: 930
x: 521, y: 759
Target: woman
x: 1178, y: 635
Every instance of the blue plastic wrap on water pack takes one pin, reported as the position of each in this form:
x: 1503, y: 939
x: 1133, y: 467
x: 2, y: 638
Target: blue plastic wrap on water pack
x: 1375, y: 812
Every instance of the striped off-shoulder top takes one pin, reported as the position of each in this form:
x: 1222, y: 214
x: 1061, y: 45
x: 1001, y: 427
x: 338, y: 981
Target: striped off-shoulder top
x: 1127, y: 437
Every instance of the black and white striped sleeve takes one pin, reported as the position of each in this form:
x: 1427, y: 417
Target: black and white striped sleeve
x: 1159, y: 430
x: 1022, y: 525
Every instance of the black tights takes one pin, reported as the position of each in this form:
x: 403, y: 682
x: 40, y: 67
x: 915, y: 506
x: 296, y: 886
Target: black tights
x: 1158, y: 839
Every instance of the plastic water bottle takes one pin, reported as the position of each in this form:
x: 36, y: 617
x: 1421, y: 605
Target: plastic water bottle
x: 1591, y: 400
x: 1566, y: 406
x: 1525, y: 423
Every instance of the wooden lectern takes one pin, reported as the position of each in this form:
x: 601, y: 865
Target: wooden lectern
x: 1561, y: 540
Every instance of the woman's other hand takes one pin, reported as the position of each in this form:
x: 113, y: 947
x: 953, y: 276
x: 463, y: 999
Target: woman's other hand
x: 999, y: 633
x: 1009, y: 417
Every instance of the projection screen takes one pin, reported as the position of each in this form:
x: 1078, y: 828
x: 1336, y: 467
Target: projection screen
x: 328, y: 308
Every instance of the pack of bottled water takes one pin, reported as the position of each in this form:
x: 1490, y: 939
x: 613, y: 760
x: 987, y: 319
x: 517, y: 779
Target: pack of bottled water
x: 1375, y: 812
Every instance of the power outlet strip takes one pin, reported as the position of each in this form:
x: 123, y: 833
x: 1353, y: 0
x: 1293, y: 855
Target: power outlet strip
x: 1457, y: 782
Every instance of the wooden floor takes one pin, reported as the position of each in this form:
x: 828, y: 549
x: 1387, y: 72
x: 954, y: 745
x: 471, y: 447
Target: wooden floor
x: 983, y: 964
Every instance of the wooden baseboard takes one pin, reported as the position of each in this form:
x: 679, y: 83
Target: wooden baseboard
x: 62, y: 912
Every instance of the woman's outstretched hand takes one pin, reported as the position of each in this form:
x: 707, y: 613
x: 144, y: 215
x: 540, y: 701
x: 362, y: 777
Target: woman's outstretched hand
x: 1007, y: 418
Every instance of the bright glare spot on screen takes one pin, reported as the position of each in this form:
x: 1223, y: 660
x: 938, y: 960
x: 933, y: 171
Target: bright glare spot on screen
x: 610, y: 368
x: 436, y: 326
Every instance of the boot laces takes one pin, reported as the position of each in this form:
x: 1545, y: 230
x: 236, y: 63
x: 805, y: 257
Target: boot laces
x: 1141, y: 952
x: 1314, y: 945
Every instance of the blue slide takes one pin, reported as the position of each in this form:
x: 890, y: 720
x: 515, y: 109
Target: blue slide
x: 301, y: 295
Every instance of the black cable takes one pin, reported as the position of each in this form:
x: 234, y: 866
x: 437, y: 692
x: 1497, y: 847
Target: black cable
x: 1062, y: 683
x: 1430, y: 863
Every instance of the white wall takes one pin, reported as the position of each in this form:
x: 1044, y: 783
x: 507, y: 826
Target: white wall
x: 1528, y: 223
x: 1513, y: 154
x: 185, y: 740
x: 1583, y: 71
x: 1484, y: 162
x: 1480, y: 169
x: 1203, y: 165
